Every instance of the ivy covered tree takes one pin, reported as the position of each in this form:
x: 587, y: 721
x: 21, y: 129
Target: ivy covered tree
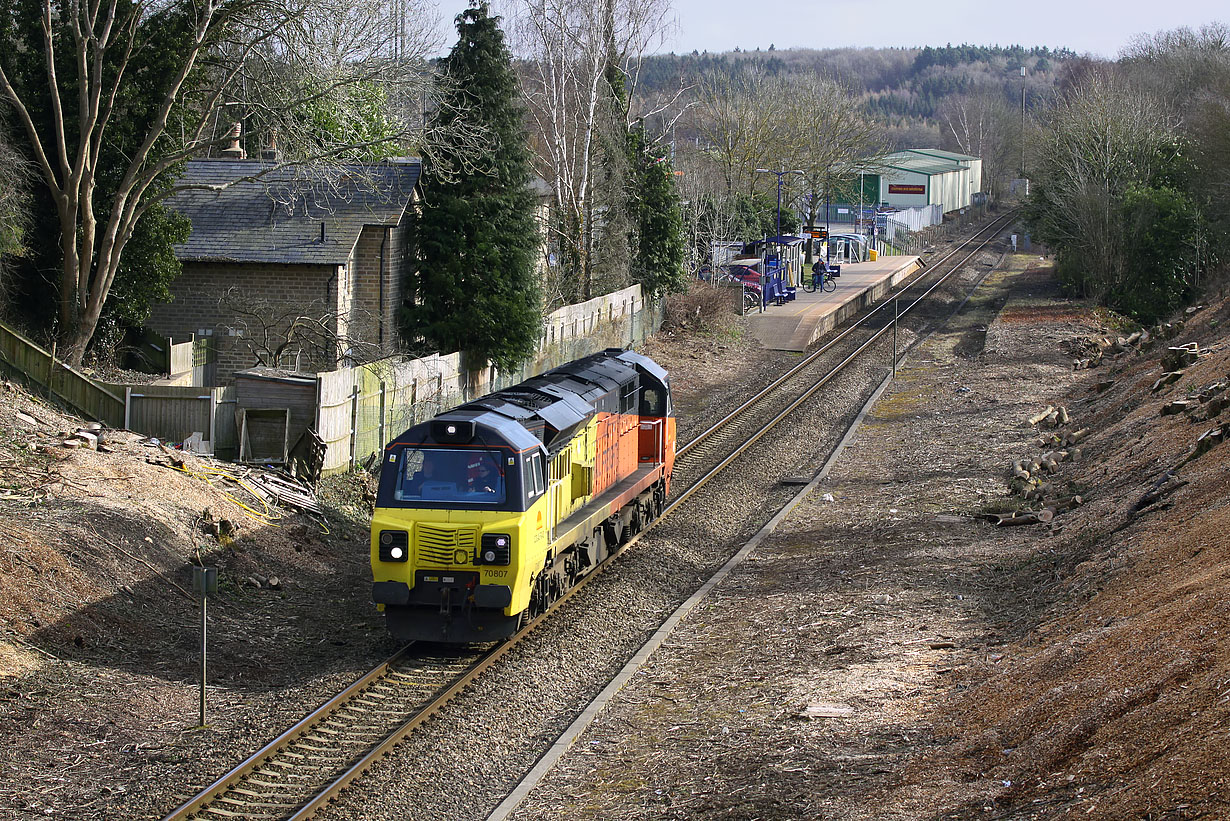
x: 476, y: 238
x: 657, y: 216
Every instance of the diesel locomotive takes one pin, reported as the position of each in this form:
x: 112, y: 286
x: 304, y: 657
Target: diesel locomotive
x: 488, y: 512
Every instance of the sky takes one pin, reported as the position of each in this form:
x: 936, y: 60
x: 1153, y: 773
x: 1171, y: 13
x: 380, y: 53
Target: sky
x: 1097, y: 27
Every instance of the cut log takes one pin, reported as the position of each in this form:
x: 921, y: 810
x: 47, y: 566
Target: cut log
x: 1168, y: 483
x: 1040, y: 492
x: 1168, y: 378
x: 1075, y: 436
x: 1211, y: 391
x: 1207, y: 440
x: 88, y: 439
x: 1067, y: 503
x: 1063, y: 416
x: 1038, y: 417
x: 1026, y: 517
x: 1180, y: 356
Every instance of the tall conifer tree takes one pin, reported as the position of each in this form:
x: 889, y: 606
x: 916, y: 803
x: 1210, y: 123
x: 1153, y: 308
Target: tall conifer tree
x: 477, y: 239
x: 657, y: 213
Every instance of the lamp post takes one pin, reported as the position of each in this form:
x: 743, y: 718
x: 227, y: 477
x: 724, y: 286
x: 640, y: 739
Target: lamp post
x: 1022, y: 122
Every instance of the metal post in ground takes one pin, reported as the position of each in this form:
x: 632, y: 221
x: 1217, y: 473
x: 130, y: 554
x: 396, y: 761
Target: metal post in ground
x: 205, y: 582
x: 895, y: 315
x: 204, y: 645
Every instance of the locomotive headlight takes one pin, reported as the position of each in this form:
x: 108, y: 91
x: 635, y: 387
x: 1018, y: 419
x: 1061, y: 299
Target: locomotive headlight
x: 394, y: 545
x: 495, y: 548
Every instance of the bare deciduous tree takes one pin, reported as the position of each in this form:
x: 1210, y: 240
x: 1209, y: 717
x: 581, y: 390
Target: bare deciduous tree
x: 983, y: 125
x: 277, y: 334
x: 1102, y: 136
x: 580, y: 58
x: 824, y: 132
x: 197, y: 68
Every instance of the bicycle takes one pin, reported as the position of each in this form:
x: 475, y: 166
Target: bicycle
x: 819, y: 279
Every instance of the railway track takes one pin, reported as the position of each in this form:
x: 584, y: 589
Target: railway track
x: 298, y: 773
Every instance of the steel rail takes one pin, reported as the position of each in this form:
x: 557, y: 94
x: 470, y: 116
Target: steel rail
x: 485, y: 660
x: 224, y: 783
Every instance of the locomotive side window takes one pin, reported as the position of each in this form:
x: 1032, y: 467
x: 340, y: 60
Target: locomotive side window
x: 653, y: 402
x: 533, y: 480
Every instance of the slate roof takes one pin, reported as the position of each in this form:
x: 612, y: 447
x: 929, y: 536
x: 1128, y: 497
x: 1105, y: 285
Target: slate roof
x: 278, y: 217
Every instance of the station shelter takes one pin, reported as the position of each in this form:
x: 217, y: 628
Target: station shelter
x: 783, y: 258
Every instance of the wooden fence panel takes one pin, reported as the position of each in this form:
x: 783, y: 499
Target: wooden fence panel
x: 181, y: 367
x: 63, y: 383
x: 170, y: 412
x: 334, y: 417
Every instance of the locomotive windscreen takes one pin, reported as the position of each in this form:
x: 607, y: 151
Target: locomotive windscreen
x: 447, y: 475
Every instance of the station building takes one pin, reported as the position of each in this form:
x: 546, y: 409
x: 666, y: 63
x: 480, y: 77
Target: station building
x: 924, y: 176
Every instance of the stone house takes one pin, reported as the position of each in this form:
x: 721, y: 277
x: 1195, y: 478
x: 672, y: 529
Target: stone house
x: 287, y: 267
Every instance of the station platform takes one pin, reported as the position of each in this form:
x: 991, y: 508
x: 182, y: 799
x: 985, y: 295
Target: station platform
x: 797, y: 324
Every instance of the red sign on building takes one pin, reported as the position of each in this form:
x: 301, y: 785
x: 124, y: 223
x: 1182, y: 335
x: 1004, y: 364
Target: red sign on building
x: 906, y: 189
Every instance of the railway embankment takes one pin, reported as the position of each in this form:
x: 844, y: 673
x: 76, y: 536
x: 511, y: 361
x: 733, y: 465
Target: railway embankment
x: 890, y: 652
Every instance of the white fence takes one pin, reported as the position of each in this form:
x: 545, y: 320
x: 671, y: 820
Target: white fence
x: 912, y: 219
